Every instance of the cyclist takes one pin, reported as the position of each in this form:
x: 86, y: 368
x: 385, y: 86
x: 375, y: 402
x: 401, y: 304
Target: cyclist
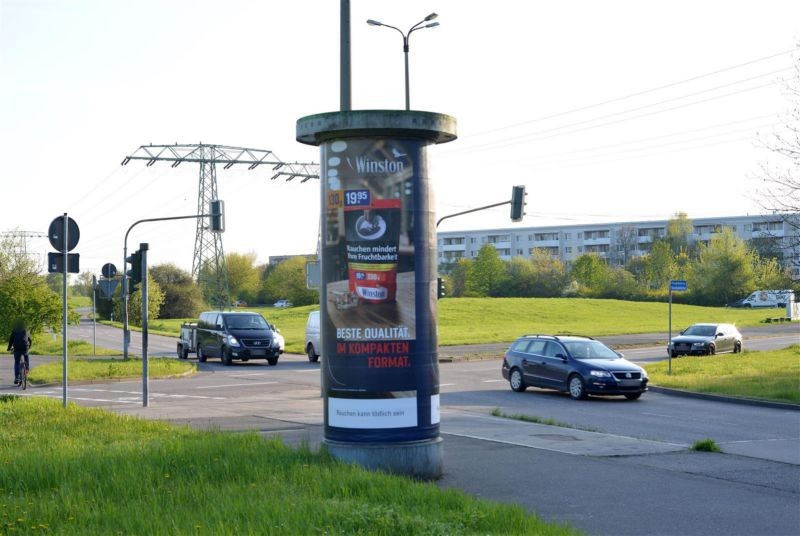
x: 21, y: 341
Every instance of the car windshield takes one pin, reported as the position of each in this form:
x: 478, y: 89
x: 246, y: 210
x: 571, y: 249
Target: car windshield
x: 245, y: 322
x: 701, y: 331
x: 590, y: 350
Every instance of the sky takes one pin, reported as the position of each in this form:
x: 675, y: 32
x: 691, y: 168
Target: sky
x: 605, y: 111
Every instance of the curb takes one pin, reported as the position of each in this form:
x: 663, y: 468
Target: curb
x: 727, y: 399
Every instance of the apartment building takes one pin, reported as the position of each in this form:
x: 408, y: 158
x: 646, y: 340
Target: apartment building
x: 617, y: 242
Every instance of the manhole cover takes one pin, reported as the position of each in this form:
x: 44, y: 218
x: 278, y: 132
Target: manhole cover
x: 556, y: 437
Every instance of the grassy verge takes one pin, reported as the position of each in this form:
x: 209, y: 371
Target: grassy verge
x: 47, y: 345
x: 497, y: 412
x: 771, y: 375
x: 706, y: 445
x: 108, y: 369
x: 487, y: 320
x: 120, y: 475
x: 79, y: 301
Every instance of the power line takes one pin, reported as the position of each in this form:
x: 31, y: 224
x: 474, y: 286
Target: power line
x: 635, y: 94
x: 538, y: 137
x: 511, y: 140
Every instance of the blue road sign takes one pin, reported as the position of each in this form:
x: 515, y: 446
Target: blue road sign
x: 678, y: 284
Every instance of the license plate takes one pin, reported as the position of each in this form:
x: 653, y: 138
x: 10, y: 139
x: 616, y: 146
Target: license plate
x: 258, y: 352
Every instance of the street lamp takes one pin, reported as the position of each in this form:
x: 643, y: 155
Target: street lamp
x: 417, y: 26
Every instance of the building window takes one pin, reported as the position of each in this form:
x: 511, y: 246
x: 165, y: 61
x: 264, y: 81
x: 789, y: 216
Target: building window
x: 457, y: 241
x: 567, y: 236
x: 567, y: 249
x: 542, y: 237
x: 580, y: 249
x: 519, y: 252
x: 580, y: 235
x: 495, y: 239
x: 595, y: 235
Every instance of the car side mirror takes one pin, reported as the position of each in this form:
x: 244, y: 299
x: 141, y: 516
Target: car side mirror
x: 682, y: 332
x: 620, y: 354
x: 562, y: 357
x: 219, y: 326
x: 719, y: 335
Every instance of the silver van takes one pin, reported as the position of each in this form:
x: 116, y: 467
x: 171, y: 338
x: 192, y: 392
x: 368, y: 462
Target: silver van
x: 313, y: 345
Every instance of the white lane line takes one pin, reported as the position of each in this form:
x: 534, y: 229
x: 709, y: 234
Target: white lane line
x: 659, y: 415
x: 447, y: 384
x: 234, y: 385
x: 492, y: 381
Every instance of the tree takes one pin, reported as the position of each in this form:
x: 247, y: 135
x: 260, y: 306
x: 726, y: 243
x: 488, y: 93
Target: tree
x: 520, y: 278
x: 458, y: 277
x: 550, y: 274
x: 244, y: 277
x: 182, y: 296
x: 288, y: 280
x: 24, y: 293
x: 679, y: 227
x: 625, y: 243
x: 83, y: 284
x: 724, y: 270
x: 155, y: 297
x: 487, y: 273
x: 660, y: 265
x: 591, y: 272
x: 780, y: 175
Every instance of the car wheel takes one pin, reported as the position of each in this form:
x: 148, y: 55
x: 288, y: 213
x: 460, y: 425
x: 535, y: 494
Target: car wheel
x: 737, y: 347
x: 272, y: 361
x: 201, y: 356
x: 673, y: 354
x: 227, y: 358
x: 577, y: 389
x: 633, y: 396
x: 180, y: 351
x: 516, y: 380
x: 712, y: 349
x: 312, y: 355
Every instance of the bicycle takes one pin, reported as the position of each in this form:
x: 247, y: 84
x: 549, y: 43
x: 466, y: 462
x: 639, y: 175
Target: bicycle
x: 23, y: 373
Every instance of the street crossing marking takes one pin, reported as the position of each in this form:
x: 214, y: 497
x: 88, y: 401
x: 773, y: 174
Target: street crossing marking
x: 233, y: 385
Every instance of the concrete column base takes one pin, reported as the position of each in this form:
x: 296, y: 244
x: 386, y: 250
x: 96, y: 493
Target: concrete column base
x: 417, y: 459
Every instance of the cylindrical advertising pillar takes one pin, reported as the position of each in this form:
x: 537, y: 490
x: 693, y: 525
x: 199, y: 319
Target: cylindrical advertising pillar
x: 378, y: 316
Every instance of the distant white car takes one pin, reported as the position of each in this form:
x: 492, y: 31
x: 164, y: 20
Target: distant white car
x: 281, y: 304
x: 313, y: 345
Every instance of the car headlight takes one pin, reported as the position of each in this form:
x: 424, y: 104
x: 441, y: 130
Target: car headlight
x: 599, y: 374
x: 644, y: 374
x: 232, y: 341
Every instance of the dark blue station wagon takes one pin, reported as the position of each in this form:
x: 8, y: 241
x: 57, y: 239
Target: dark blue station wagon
x: 580, y: 366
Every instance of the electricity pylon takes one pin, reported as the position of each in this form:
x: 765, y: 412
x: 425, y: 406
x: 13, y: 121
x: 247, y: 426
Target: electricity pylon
x: 208, y: 263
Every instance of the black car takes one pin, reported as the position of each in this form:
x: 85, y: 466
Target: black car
x: 580, y: 366
x: 706, y: 339
x: 230, y: 336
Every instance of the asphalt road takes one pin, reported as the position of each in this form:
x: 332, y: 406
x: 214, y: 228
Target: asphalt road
x: 633, y: 474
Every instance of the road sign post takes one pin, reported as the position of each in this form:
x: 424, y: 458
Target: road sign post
x: 145, y: 372
x: 63, y: 235
x: 674, y: 285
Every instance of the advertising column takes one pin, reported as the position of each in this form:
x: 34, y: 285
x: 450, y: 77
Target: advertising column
x: 378, y: 302
x: 380, y: 377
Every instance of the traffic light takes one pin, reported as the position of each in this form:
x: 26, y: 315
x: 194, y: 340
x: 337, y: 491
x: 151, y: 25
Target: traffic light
x: 135, y: 273
x: 518, y: 203
x: 217, y: 216
x: 440, y: 291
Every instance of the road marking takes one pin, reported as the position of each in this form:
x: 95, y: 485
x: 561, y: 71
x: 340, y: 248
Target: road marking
x: 492, y: 381
x: 447, y: 384
x: 234, y: 385
x: 659, y: 415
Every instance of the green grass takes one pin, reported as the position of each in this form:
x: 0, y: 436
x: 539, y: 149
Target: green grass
x: 79, y: 301
x: 111, y: 474
x: 45, y: 344
x: 706, y: 445
x: 497, y: 412
x: 107, y: 369
x: 487, y: 320
x: 482, y: 320
x: 771, y: 375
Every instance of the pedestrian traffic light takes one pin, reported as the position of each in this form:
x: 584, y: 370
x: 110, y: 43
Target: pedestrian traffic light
x: 135, y: 273
x: 217, y: 216
x: 518, y: 203
x: 440, y: 291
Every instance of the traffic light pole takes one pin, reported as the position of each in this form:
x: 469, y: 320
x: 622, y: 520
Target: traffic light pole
x: 471, y: 211
x: 126, y: 332
x: 143, y: 247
